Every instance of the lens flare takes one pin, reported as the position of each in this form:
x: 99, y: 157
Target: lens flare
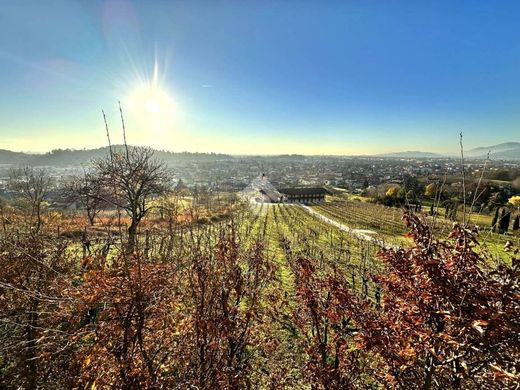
x: 152, y: 105
x: 152, y: 109
x: 149, y: 100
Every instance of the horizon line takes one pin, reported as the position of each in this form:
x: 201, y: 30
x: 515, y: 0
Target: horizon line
x: 385, y: 154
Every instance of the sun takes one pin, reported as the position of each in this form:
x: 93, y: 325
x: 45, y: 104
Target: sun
x: 153, y: 112
x: 149, y: 100
x: 152, y: 105
x: 149, y: 97
x: 151, y: 108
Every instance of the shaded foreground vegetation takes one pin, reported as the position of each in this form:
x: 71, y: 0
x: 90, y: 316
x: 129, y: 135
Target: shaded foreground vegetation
x: 218, y: 313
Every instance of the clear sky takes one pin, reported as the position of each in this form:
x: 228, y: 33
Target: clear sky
x: 249, y: 77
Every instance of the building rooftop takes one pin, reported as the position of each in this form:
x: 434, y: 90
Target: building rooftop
x: 304, y: 191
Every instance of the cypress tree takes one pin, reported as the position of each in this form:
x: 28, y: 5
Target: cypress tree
x: 501, y: 222
x: 495, y: 220
x: 503, y: 225
x: 507, y: 220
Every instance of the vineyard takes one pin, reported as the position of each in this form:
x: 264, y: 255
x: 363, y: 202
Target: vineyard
x: 286, y: 231
x: 259, y: 195
x: 281, y: 234
x: 385, y: 223
x: 265, y: 296
x: 289, y: 232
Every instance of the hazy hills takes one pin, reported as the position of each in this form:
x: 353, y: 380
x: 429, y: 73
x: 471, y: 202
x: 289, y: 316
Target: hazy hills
x: 72, y: 157
x: 504, y: 151
x: 411, y: 154
x: 8, y: 157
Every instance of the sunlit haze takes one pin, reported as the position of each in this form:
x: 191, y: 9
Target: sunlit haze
x: 256, y: 77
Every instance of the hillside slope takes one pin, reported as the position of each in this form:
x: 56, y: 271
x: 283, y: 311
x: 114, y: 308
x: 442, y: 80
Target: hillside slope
x: 504, y: 151
x: 73, y: 157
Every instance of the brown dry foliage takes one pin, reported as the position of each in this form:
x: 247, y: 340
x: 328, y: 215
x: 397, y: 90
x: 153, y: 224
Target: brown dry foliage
x: 211, y: 317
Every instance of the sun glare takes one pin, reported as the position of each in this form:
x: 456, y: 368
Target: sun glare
x: 151, y: 100
x: 152, y: 110
x: 152, y: 105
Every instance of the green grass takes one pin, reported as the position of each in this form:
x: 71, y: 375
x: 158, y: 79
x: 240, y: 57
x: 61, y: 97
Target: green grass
x: 387, y: 224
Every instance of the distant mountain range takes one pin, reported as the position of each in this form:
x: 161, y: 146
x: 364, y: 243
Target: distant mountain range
x: 504, y: 151
x: 73, y: 157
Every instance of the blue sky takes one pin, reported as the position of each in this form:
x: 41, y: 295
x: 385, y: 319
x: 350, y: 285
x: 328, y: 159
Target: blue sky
x: 313, y: 77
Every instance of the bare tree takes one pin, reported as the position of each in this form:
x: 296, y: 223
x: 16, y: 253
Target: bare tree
x: 134, y: 177
x: 87, y: 189
x: 33, y: 186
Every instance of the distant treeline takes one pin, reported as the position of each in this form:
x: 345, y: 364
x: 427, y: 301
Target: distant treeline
x: 68, y: 157
x: 504, y: 174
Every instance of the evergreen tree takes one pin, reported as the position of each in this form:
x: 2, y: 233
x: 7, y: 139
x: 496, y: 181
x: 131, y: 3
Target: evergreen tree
x: 507, y: 221
x: 503, y: 225
x: 516, y: 223
x: 501, y: 222
x: 495, y: 220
